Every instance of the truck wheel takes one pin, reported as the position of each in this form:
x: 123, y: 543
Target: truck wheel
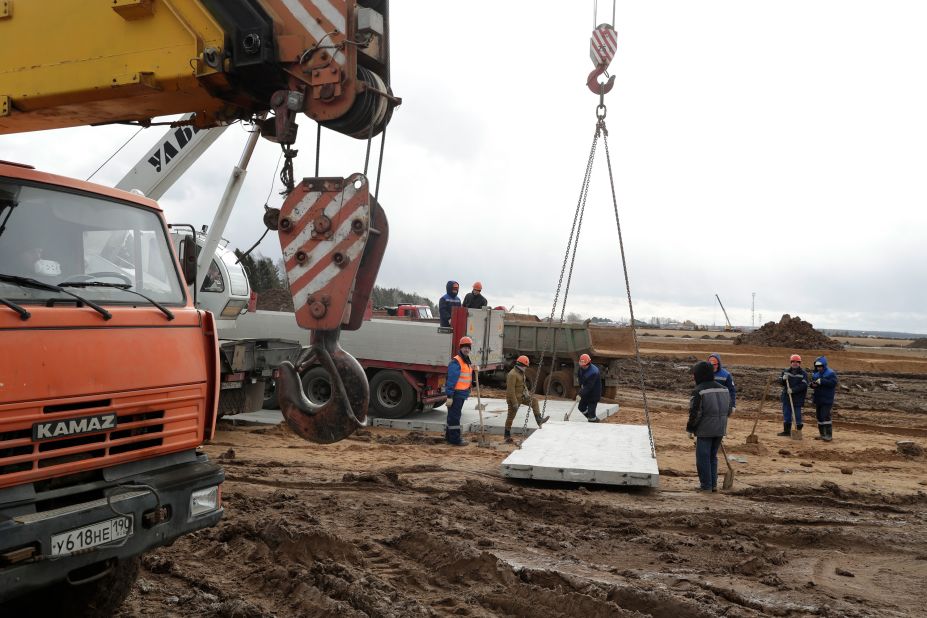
x: 531, y: 376
x: 270, y: 395
x: 560, y: 384
x: 100, y: 597
x: 317, y: 385
x: 391, y: 395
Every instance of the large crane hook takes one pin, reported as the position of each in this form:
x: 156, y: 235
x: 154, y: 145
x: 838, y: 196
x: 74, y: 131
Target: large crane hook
x: 602, y: 48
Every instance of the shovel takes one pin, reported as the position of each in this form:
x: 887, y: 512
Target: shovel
x: 566, y: 416
x: 796, y: 435
x: 729, y: 476
x: 753, y: 438
x: 480, y: 406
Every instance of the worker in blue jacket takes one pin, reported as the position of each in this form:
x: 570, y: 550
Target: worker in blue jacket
x: 724, y: 378
x: 590, y: 387
x: 457, y: 388
x: 824, y: 383
x: 794, y: 381
x: 448, y: 302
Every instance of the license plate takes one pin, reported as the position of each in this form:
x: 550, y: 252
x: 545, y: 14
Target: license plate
x: 93, y: 535
x: 230, y: 385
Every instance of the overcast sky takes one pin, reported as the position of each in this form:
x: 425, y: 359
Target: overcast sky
x: 770, y: 147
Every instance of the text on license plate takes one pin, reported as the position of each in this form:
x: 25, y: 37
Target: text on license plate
x: 99, y: 533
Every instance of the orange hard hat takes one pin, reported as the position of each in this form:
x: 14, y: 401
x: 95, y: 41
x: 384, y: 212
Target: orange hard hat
x: 465, y: 341
x: 795, y: 357
x: 478, y: 286
x: 584, y: 360
x: 523, y: 360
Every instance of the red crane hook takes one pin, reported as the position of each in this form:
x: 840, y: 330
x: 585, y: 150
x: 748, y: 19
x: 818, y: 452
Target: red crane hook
x: 595, y: 85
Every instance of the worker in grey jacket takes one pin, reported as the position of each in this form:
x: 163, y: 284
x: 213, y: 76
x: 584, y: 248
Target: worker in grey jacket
x: 709, y: 408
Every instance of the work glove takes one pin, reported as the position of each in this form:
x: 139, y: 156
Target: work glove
x: 816, y: 382
x: 691, y: 436
x: 733, y: 411
x: 785, y: 376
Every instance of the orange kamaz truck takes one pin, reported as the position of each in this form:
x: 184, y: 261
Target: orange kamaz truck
x: 108, y: 384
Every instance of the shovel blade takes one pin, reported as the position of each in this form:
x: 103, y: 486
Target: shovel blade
x: 753, y: 439
x: 796, y: 434
x: 728, y: 480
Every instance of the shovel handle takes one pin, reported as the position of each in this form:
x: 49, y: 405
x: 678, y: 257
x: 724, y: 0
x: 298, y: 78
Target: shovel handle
x: 759, y: 410
x: 728, y: 461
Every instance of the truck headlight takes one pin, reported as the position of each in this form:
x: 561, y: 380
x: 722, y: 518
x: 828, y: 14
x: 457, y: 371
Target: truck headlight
x: 205, y: 500
x: 233, y: 308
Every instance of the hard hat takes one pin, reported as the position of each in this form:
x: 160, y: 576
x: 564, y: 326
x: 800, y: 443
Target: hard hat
x: 584, y: 360
x: 795, y: 357
x: 465, y: 341
x: 478, y: 286
x: 523, y: 360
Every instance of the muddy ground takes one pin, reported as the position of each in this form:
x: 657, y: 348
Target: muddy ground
x: 389, y: 523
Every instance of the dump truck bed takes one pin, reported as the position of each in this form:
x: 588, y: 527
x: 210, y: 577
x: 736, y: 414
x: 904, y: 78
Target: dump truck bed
x: 569, y: 339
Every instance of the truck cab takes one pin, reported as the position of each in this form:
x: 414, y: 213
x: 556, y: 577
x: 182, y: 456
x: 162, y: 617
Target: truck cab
x: 108, y: 386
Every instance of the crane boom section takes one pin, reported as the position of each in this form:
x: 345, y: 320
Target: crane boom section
x: 72, y: 62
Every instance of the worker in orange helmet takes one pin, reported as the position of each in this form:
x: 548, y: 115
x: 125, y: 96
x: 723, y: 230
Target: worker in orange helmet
x: 475, y: 299
x: 590, y: 387
x: 794, y: 381
x: 457, y: 388
x: 516, y: 394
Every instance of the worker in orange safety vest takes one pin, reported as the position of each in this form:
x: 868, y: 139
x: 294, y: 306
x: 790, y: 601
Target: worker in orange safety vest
x: 460, y: 376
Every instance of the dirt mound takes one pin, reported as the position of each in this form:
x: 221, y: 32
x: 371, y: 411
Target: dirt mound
x: 789, y: 332
x: 918, y: 343
x: 521, y: 317
x: 275, y: 300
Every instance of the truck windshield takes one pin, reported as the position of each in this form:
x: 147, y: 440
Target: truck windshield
x: 56, y: 236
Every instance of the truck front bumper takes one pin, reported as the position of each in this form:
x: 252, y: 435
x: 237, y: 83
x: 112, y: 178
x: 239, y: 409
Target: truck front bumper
x: 27, y: 555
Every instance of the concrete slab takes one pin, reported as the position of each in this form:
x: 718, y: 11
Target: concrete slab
x: 493, y: 417
x: 604, y: 454
x: 435, y: 420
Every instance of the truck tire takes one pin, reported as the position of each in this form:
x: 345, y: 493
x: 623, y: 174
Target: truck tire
x: 531, y: 376
x: 391, y: 395
x: 100, y: 597
x: 317, y: 385
x: 560, y: 384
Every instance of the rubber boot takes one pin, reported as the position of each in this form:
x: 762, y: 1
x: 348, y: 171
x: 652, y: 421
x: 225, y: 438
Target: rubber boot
x: 828, y: 433
x: 540, y: 421
x: 508, y: 438
x: 786, y: 430
x: 796, y: 435
x: 821, y: 431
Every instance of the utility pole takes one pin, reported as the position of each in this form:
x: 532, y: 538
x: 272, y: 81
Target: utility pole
x: 753, y: 311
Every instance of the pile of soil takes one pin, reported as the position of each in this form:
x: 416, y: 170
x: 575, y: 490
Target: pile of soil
x: 275, y: 300
x: 918, y: 343
x: 789, y: 333
x: 521, y: 317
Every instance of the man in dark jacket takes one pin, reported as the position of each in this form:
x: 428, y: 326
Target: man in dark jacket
x: 590, y: 387
x: 709, y: 408
x: 724, y: 378
x: 475, y: 299
x: 824, y: 383
x: 794, y: 381
x: 448, y: 302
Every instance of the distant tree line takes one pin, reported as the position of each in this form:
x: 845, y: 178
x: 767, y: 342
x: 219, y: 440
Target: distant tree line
x: 263, y: 273
x: 393, y: 297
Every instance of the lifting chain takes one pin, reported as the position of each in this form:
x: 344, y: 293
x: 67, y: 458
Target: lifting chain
x: 570, y: 257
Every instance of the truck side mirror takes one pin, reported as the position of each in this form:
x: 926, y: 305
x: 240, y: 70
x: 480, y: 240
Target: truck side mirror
x: 188, y: 259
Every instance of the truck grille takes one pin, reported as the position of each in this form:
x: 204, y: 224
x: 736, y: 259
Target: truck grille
x: 149, y: 422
